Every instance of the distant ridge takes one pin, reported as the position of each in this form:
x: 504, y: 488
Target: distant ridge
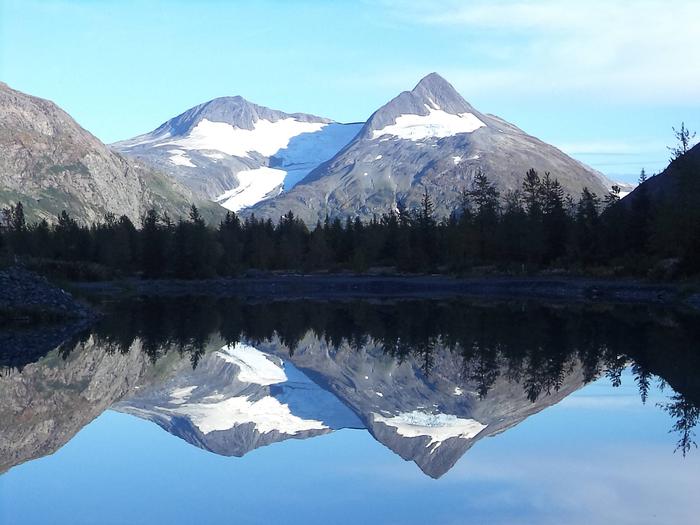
x: 427, y: 138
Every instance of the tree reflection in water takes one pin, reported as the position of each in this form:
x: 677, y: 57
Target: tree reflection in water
x: 534, y: 345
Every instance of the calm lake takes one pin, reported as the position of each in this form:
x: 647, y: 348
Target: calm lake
x: 185, y: 411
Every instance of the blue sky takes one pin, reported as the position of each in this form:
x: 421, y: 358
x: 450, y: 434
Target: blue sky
x: 603, y: 80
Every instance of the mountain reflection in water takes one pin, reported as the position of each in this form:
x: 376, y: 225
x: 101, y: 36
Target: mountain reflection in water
x: 426, y: 379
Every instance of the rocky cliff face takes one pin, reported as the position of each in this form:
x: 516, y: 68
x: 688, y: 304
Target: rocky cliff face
x: 51, y: 164
x: 428, y: 138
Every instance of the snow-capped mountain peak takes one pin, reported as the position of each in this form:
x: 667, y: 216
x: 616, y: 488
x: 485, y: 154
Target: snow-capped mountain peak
x: 432, y: 109
x: 235, y: 111
x: 238, y: 153
x: 440, y: 94
x: 426, y: 138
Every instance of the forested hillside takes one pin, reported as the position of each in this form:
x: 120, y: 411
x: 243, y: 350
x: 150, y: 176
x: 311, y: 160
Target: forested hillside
x: 653, y: 232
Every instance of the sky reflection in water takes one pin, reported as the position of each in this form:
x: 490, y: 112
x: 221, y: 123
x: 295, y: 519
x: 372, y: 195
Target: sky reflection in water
x: 598, y: 456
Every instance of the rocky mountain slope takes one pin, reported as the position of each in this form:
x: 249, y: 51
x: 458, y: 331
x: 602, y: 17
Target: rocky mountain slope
x: 51, y: 164
x: 428, y: 138
x: 679, y: 181
x: 238, y: 153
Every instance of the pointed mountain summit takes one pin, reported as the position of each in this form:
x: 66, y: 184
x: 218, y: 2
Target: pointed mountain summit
x: 238, y: 153
x: 236, y: 111
x: 427, y: 138
x: 433, y: 95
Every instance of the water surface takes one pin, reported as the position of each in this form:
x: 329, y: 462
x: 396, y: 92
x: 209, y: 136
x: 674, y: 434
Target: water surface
x: 206, y: 411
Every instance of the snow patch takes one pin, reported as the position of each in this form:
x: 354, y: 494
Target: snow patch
x: 253, y: 186
x: 147, y: 141
x: 432, y: 103
x: 180, y: 158
x: 436, y: 124
x: 267, y: 414
x: 307, y: 150
x: 458, y: 391
x: 255, y: 366
x: 438, y: 427
x: 623, y: 193
x: 180, y: 395
x: 377, y: 157
x: 266, y: 137
x: 213, y: 397
x: 457, y: 159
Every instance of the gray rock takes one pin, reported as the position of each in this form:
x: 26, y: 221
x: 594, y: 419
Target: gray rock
x: 24, y: 293
x: 51, y: 164
x: 212, y: 172
x: 372, y: 174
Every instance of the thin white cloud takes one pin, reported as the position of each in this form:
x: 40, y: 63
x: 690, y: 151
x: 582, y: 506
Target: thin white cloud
x: 640, y: 51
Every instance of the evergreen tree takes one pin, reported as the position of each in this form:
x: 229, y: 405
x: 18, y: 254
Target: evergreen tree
x: 16, y: 227
x: 424, y: 247
x: 404, y: 255
x: 684, y: 141
x: 72, y: 242
x: 291, y: 242
x: 554, y: 221
x: 41, y: 240
x: 390, y: 226
x: 154, y: 246
x: 586, y: 243
x: 639, y: 219
x: 612, y: 234
x: 484, y: 198
x: 513, y: 229
x: 230, y: 237
x: 319, y: 255
x: 259, y: 244
x: 532, y: 192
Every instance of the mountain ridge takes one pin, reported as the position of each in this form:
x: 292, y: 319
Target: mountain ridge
x: 50, y: 163
x: 236, y: 152
x: 429, y: 138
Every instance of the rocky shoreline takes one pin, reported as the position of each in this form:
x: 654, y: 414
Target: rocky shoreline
x: 35, y: 317
x: 28, y: 297
x: 328, y: 287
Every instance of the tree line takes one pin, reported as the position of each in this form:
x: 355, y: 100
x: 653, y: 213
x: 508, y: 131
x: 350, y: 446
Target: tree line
x: 534, y: 228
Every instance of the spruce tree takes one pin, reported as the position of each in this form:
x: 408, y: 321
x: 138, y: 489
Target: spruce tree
x: 484, y: 197
x: 153, y: 246
x: 586, y: 238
